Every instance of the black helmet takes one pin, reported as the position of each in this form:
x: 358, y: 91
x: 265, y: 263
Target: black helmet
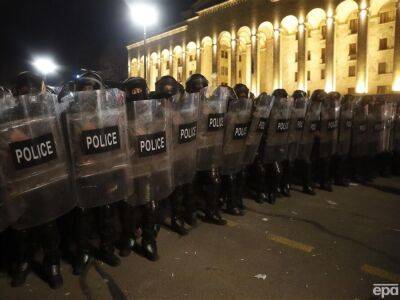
x: 241, y: 90
x: 281, y: 93
x: 299, y: 94
x: 135, y: 88
x: 28, y: 83
x: 88, y: 80
x: 195, y: 83
x: 318, y: 95
x: 334, y: 95
x: 166, y: 86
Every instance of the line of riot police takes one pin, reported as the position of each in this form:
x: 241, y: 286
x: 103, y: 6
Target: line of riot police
x: 98, y: 165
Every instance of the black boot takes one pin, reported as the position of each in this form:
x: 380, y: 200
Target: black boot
x: 53, y: 275
x: 261, y: 197
x: 285, y: 190
x: 214, y: 218
x: 81, y: 262
x: 308, y: 190
x: 271, y: 198
x: 178, y: 226
x: 19, y: 273
x: 22, y: 256
x: 106, y: 254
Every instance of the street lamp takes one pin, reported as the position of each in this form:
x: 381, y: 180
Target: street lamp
x: 144, y: 14
x: 45, y: 66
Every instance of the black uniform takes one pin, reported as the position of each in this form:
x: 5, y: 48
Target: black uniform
x: 144, y: 217
x: 47, y: 235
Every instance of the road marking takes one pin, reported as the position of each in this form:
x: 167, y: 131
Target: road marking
x: 290, y: 243
x: 392, y: 277
x: 231, y: 223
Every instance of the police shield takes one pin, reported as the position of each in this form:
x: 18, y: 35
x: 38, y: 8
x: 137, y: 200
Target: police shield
x: 360, y: 130
x: 296, y: 126
x: 345, y: 127
x: 184, y: 133
x: 377, y: 118
x: 259, y: 121
x: 237, y: 123
x: 211, y: 123
x: 96, y: 122
x: 149, y: 131
x: 276, y: 144
x: 34, y: 181
x: 311, y: 126
x: 330, y: 110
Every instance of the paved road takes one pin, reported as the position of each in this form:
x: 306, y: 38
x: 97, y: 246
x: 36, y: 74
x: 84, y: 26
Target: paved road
x: 332, y: 246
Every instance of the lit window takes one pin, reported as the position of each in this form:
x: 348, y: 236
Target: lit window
x: 323, y: 55
x: 308, y: 55
x: 296, y: 57
x: 351, y: 90
x: 240, y: 58
x: 308, y: 75
x: 296, y: 77
x: 323, y: 74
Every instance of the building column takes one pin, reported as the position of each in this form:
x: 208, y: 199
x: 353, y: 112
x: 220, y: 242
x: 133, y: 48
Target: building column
x: 171, y: 62
x: 214, y: 71
x: 277, y: 59
x: 233, y: 62
x: 184, y: 64
x: 198, y: 60
x: 254, y: 82
x: 129, y: 63
x: 159, y: 63
x: 362, y: 42
x: 396, y: 52
x: 301, y: 58
x: 147, y: 67
x: 330, y: 76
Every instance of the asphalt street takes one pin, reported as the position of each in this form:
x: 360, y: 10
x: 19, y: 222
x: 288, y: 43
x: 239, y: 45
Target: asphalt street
x: 330, y: 246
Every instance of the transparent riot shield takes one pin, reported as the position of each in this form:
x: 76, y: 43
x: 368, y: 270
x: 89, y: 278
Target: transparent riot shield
x: 330, y: 111
x: 184, y: 132
x: 258, y: 126
x: 149, y: 131
x: 211, y: 124
x: 97, y: 132
x: 390, y: 102
x: 345, y: 128
x: 34, y: 181
x: 237, y: 123
x: 276, y: 144
x: 297, y: 119
x: 360, y: 130
x: 311, y: 126
x: 378, y: 126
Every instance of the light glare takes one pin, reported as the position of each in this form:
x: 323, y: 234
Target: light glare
x: 144, y: 14
x: 45, y: 65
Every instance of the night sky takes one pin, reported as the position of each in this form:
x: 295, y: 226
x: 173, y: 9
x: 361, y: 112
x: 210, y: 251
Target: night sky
x: 76, y: 33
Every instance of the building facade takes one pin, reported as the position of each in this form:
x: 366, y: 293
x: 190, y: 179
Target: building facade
x: 347, y: 46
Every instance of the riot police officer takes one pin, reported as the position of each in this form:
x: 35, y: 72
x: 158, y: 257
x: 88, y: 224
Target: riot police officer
x: 210, y: 140
x: 276, y: 146
x: 236, y: 131
x: 43, y: 191
x: 168, y: 88
x: 341, y: 163
x: 94, y: 210
x: 140, y: 212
